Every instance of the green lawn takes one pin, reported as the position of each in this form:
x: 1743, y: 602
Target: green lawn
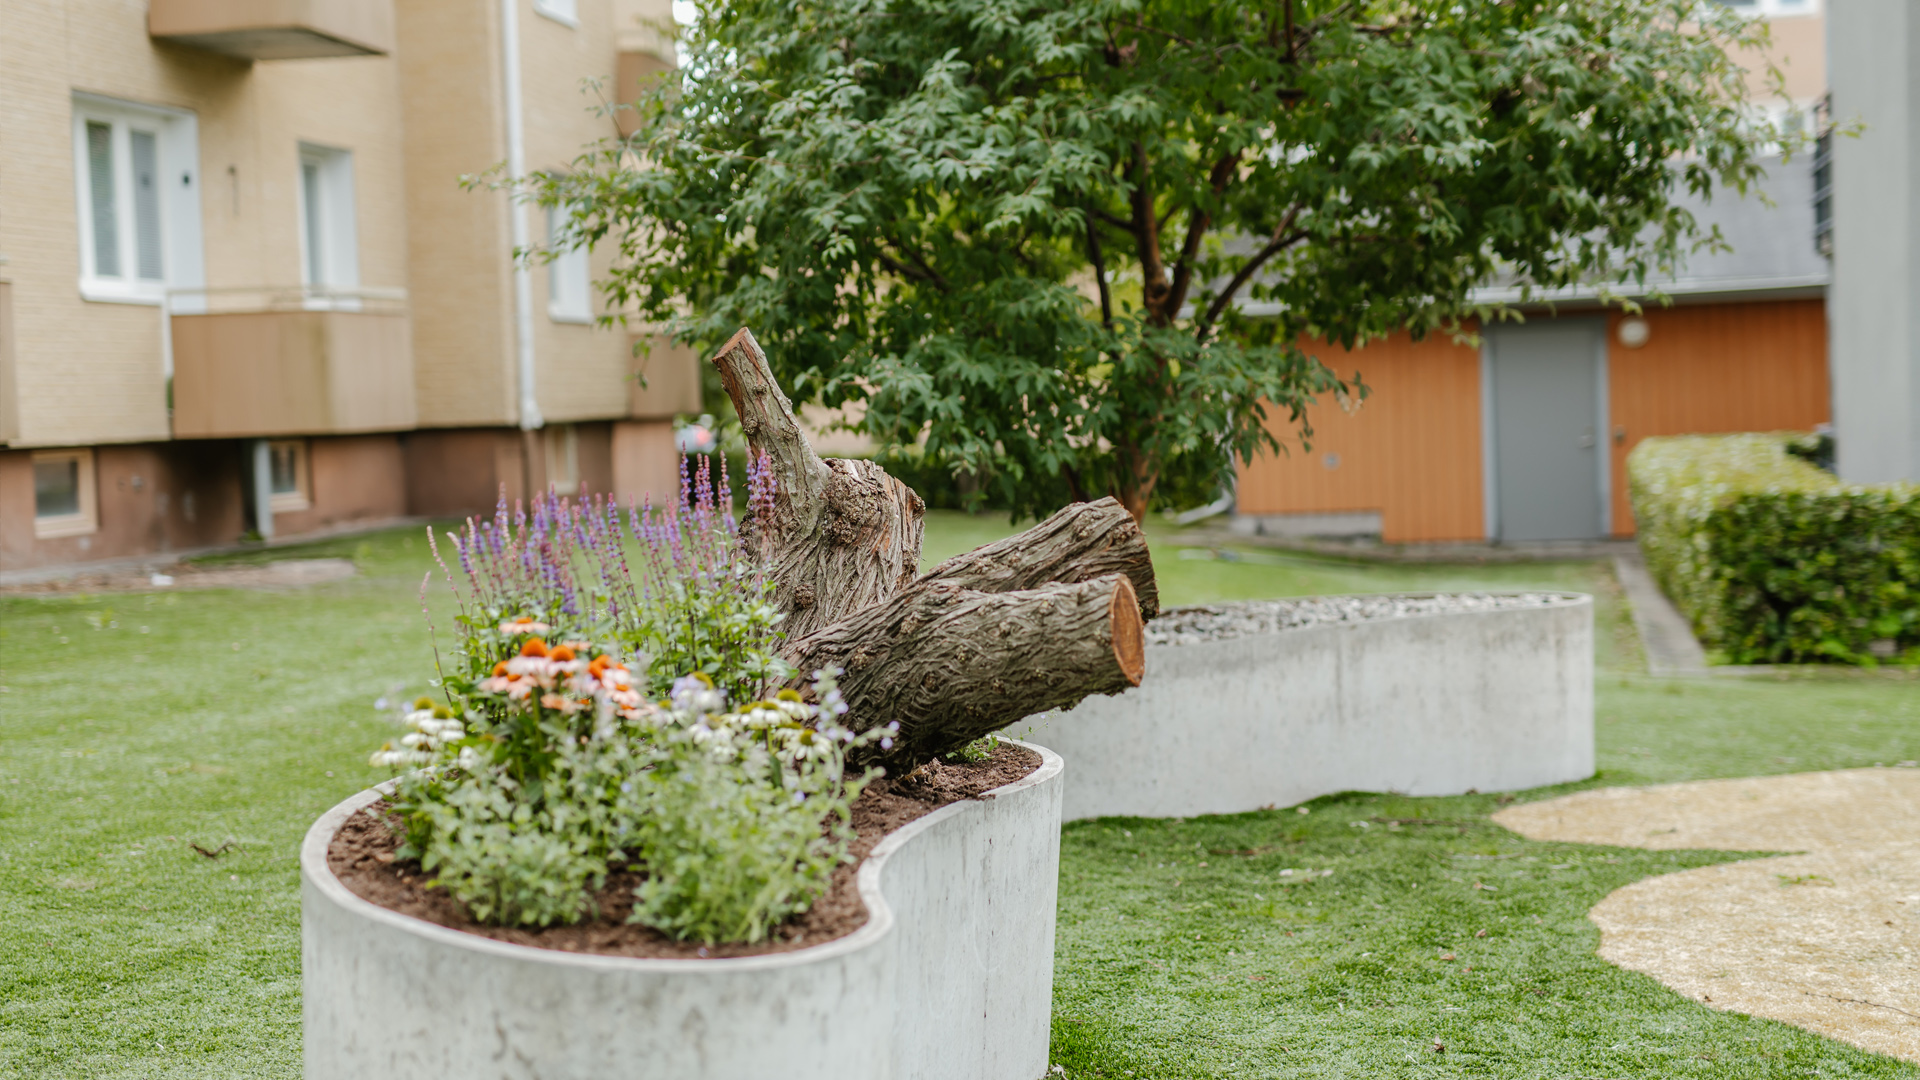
x: 134, y: 725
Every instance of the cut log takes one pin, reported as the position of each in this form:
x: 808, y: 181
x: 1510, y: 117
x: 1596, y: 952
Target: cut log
x: 843, y: 534
x: 1034, y: 622
x: 952, y: 664
x: 1078, y: 543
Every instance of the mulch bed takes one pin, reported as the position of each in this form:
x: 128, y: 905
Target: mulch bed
x: 361, y: 856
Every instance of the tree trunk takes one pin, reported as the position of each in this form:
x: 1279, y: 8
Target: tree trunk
x: 1034, y: 622
x: 953, y: 664
x: 843, y: 534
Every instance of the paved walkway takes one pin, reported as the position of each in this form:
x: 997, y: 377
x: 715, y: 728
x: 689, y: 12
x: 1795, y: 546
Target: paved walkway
x: 1828, y: 940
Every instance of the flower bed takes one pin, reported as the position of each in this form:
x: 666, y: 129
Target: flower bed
x: 1774, y: 560
x: 950, y: 976
x: 1275, y: 702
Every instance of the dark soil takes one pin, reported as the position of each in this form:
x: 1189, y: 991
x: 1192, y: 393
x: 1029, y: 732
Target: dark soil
x: 361, y: 856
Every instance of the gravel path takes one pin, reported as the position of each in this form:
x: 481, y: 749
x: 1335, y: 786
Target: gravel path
x: 1218, y: 622
x: 1827, y: 940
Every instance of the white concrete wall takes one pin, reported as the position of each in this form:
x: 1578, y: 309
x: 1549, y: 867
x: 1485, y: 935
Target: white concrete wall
x: 950, y: 979
x: 1873, y: 308
x: 1423, y: 705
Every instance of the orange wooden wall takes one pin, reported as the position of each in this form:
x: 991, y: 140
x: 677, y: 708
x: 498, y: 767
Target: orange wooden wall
x: 1411, y: 451
x: 1709, y: 368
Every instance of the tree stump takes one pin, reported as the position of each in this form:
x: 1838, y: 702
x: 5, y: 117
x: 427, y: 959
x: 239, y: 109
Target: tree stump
x: 1034, y: 622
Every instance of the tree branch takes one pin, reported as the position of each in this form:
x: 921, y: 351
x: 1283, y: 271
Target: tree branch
x: 1281, y: 241
x: 1146, y: 235
x: 1099, y: 274
x: 1198, y: 222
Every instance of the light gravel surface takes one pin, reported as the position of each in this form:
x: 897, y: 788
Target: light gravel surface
x: 1827, y: 940
x: 1219, y: 622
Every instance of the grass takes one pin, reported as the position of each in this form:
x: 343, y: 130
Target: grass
x: 133, y: 725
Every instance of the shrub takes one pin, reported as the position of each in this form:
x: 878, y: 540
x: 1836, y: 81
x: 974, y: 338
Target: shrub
x: 1774, y: 560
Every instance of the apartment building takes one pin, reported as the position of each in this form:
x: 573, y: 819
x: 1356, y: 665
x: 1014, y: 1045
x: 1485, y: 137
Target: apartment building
x: 244, y: 290
x: 1524, y: 435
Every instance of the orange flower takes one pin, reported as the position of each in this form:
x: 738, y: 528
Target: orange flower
x: 499, y: 669
x: 560, y: 654
x: 534, y: 647
x: 600, y: 664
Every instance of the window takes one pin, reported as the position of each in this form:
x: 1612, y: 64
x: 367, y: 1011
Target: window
x: 563, y: 459
x: 63, y: 503
x: 560, y: 11
x: 1772, y: 7
x: 569, y: 279
x: 287, y: 486
x: 139, y: 214
x: 329, y: 244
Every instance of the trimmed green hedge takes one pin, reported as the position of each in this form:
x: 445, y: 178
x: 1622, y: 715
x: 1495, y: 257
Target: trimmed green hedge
x: 1774, y: 560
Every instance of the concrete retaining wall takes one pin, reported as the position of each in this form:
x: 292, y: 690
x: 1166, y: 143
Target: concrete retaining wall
x: 950, y: 979
x: 1434, y: 704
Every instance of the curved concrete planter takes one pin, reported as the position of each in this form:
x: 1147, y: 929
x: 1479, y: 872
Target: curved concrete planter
x: 951, y: 977
x: 1431, y: 704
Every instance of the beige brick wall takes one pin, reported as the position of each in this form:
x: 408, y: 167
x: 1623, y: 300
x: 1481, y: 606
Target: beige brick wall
x: 90, y: 372
x: 582, y: 369
x: 460, y: 281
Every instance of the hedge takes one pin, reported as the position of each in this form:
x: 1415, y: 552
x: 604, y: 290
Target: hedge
x: 1773, y: 559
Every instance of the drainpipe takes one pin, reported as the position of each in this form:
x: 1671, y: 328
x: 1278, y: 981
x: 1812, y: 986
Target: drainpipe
x: 262, y: 488
x: 517, y: 217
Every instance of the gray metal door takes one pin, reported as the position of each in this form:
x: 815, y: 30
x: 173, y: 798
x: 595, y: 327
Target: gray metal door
x: 1546, y: 427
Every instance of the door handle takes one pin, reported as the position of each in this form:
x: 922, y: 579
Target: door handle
x: 1586, y: 442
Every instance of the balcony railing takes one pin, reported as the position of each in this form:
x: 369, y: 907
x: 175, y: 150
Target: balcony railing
x: 275, y: 29
x: 289, y: 360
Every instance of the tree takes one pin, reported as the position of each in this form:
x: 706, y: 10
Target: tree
x: 1026, y: 231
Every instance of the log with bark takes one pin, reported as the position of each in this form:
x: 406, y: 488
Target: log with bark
x: 1034, y: 622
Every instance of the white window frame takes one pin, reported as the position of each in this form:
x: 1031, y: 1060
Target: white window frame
x: 177, y: 172
x: 564, y: 12
x: 569, y: 278
x: 87, y: 520
x: 335, y: 266
x: 301, y: 497
x: 1772, y: 8
x: 563, y: 458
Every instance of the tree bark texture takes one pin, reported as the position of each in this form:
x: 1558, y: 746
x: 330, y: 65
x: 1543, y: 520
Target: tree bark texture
x: 1034, y: 622
x: 1079, y: 542
x: 843, y: 534
x: 952, y: 664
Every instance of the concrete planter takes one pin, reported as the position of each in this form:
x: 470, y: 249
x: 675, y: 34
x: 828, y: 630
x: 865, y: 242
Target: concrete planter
x: 1430, y: 704
x: 951, y: 977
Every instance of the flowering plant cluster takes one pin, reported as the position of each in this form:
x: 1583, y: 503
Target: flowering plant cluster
x: 587, y: 726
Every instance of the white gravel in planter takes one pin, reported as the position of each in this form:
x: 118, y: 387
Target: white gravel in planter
x: 1219, y: 622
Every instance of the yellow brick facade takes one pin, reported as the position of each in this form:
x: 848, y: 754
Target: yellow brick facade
x: 424, y: 109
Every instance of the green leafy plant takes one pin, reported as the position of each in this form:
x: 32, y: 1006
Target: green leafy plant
x: 1773, y: 559
x: 549, y: 766
x: 1073, y: 248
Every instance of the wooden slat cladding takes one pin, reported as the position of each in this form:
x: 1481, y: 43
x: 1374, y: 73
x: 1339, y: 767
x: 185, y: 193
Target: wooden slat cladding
x: 1709, y: 368
x: 1411, y: 451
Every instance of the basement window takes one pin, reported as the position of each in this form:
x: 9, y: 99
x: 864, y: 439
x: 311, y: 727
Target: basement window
x: 63, y: 495
x: 287, y: 472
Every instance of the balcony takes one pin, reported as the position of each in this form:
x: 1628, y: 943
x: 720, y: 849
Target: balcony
x: 673, y: 381
x: 259, y: 363
x: 275, y: 29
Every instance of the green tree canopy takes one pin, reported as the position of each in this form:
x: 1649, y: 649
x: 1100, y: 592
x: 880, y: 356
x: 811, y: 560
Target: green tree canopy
x: 1026, y: 231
